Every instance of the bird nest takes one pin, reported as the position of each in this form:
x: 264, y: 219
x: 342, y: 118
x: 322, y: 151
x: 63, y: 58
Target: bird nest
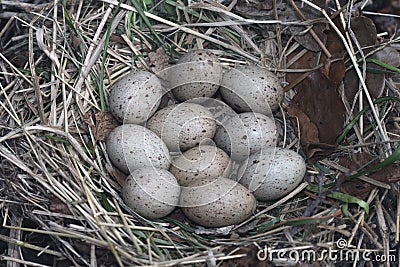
x: 60, y: 194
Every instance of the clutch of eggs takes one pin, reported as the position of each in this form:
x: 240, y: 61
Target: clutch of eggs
x: 182, y: 155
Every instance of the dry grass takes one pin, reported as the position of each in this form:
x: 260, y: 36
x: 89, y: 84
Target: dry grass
x: 55, y: 75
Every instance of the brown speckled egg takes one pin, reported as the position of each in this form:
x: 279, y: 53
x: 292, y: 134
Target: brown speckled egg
x: 135, y: 97
x: 251, y: 88
x: 246, y: 133
x: 183, y: 126
x: 196, y: 74
x: 151, y: 192
x: 132, y: 146
x: 217, y: 202
x: 273, y: 174
x: 200, y: 162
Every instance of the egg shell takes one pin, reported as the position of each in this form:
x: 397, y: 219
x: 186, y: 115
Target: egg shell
x: 132, y: 146
x: 246, y: 133
x: 183, y: 126
x: 273, y: 174
x: 196, y: 74
x: 199, y: 162
x: 135, y: 97
x: 217, y: 202
x: 251, y: 88
x: 151, y: 192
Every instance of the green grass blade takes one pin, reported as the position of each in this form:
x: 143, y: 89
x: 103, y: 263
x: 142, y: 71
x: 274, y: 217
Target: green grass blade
x: 347, y: 199
x: 389, y: 160
x: 357, y: 118
x: 106, y: 204
x: 146, y: 20
x: 57, y: 139
x: 383, y: 64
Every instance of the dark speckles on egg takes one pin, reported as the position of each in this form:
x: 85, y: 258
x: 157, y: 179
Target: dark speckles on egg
x: 221, y: 202
x: 236, y: 92
x: 151, y: 198
x: 196, y: 74
x: 138, y: 155
x: 260, y: 131
x: 134, y: 87
x: 278, y: 172
x: 196, y: 163
x: 183, y: 126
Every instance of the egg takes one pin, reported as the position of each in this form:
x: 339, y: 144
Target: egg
x: 246, y: 133
x: 132, y: 146
x: 273, y: 173
x: 151, y: 192
x: 217, y: 202
x: 198, y: 73
x: 199, y: 162
x: 183, y: 126
x: 251, y: 88
x: 135, y: 97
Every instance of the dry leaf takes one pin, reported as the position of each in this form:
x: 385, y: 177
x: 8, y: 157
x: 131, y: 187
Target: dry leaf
x: 366, y: 35
x: 375, y: 81
x: 358, y: 188
x: 389, y: 55
x: 158, y: 60
x: 308, y: 129
x: 58, y: 206
x: 364, y: 30
x: 306, y: 40
x: 317, y: 104
x: 103, y: 124
x: 119, y: 176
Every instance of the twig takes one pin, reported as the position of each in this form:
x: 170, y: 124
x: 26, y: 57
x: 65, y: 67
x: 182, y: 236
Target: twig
x: 312, y: 32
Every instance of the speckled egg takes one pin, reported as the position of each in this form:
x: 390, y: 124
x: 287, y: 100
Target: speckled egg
x: 132, y: 146
x: 273, y: 174
x: 246, y: 133
x: 196, y: 74
x: 183, y: 126
x: 217, y: 202
x: 135, y: 97
x: 151, y: 192
x: 199, y: 162
x: 251, y: 88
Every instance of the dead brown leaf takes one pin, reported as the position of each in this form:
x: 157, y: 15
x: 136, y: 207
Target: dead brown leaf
x: 301, y: 35
x: 158, y: 60
x: 375, y: 81
x: 364, y: 30
x: 317, y: 105
x: 361, y: 161
x: 389, y: 55
x: 308, y: 129
x: 58, y: 206
x: 119, y: 176
x: 103, y: 124
x: 366, y: 35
